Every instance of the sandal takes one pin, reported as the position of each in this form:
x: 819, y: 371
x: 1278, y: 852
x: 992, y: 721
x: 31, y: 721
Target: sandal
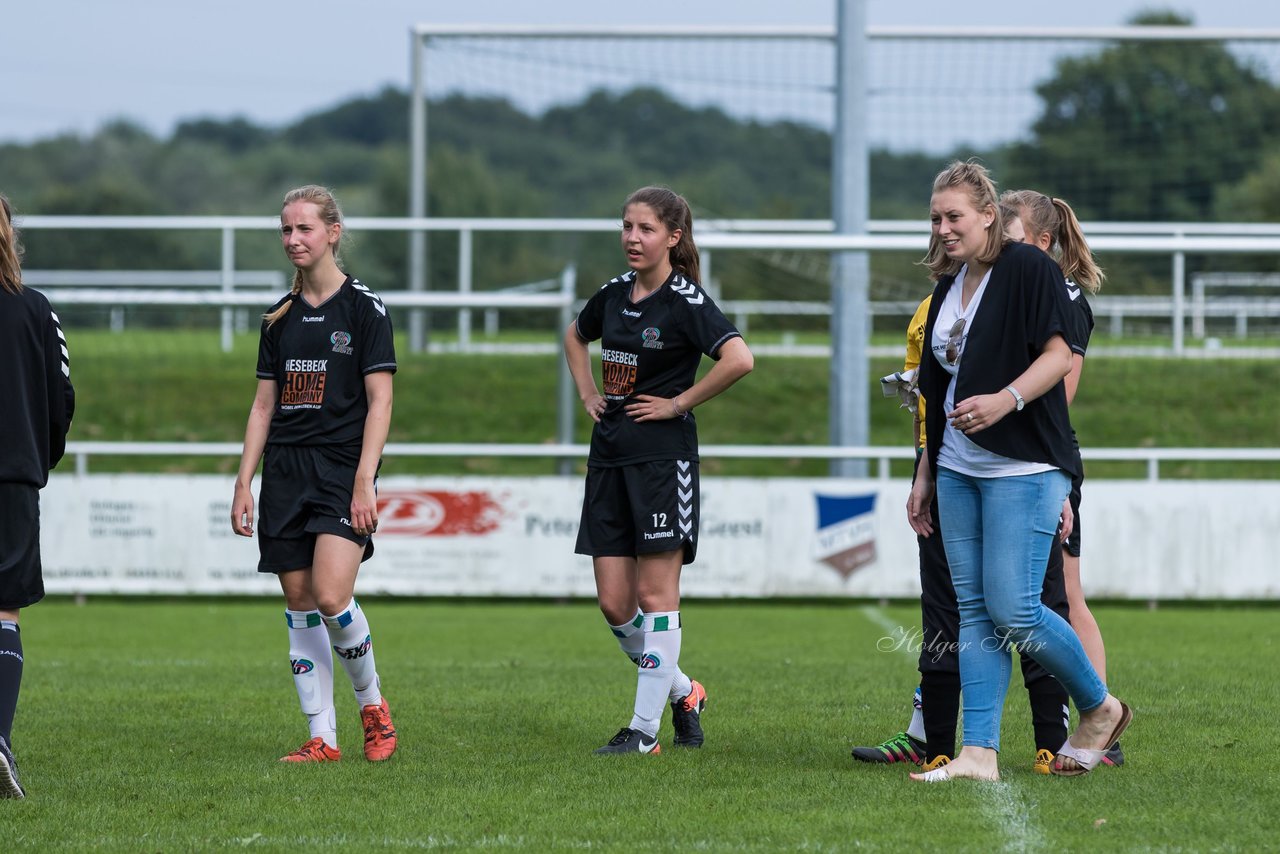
x: 1087, y: 758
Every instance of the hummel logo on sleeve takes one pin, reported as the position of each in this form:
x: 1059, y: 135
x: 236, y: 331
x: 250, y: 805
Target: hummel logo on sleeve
x: 377, y: 303
x: 688, y: 290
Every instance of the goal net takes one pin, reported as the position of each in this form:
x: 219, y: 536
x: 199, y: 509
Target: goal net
x: 1162, y: 124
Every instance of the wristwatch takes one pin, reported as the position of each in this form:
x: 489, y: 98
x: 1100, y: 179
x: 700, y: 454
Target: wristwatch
x: 1020, y: 402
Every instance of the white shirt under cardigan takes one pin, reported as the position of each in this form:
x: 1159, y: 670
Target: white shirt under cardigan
x: 958, y: 453
x: 1023, y: 309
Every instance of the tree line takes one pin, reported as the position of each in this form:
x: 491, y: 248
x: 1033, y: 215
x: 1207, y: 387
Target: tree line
x: 1134, y: 132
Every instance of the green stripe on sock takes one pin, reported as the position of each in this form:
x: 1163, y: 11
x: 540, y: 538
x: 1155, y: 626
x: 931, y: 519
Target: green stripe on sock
x: 313, y: 620
x: 660, y: 623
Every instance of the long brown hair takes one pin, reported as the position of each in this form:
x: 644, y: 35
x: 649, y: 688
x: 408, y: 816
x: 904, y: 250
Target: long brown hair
x: 972, y: 178
x: 10, y: 250
x: 330, y: 214
x: 1054, y: 217
x: 673, y: 211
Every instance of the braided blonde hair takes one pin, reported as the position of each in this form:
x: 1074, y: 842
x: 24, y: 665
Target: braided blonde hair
x: 330, y: 214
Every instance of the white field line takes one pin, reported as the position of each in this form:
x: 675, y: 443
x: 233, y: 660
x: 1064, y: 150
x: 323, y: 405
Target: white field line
x: 433, y: 842
x: 1002, y: 803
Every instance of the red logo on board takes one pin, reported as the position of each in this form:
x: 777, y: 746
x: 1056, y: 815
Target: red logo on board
x: 429, y: 513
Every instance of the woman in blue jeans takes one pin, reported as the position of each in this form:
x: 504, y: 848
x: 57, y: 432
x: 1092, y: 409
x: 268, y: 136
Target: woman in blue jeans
x: 1000, y: 451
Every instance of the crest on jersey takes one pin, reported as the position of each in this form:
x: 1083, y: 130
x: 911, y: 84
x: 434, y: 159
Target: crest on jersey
x: 846, y: 536
x: 652, y: 338
x: 341, y: 342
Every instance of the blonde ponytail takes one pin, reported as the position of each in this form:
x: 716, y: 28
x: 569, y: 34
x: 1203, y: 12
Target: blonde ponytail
x: 1054, y: 217
x: 1074, y: 253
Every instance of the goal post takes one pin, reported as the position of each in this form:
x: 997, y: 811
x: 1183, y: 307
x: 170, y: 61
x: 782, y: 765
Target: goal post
x: 811, y: 59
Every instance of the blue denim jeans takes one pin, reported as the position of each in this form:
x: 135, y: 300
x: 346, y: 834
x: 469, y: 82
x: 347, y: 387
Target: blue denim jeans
x: 997, y: 532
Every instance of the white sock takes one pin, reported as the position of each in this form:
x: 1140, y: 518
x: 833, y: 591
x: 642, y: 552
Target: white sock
x: 916, y: 728
x: 681, y: 685
x: 658, y: 667
x: 630, y: 637
x: 312, y: 663
x: 349, y: 634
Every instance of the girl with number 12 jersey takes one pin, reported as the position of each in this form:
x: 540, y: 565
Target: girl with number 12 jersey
x: 640, y: 506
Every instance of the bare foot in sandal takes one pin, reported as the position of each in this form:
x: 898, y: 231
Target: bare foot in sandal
x: 1099, y: 729
x: 973, y: 763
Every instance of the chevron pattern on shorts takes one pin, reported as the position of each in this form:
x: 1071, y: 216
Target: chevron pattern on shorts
x: 684, y: 492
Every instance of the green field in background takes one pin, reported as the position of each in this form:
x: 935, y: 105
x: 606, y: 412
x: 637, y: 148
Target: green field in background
x: 179, y: 386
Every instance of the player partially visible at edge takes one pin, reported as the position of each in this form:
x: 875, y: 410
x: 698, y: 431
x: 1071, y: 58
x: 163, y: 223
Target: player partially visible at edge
x: 1051, y: 224
x: 319, y: 422
x: 640, y: 508
x: 38, y: 400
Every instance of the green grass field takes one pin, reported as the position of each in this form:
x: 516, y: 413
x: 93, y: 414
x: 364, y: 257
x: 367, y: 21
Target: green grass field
x: 178, y: 386
x: 155, y: 726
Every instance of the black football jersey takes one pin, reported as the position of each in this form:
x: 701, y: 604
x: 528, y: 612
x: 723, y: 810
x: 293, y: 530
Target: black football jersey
x: 35, y: 388
x: 318, y: 356
x: 1080, y: 320
x: 649, y: 347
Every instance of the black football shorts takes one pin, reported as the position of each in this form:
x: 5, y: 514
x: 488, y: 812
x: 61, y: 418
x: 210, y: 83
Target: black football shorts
x: 306, y: 490
x: 1072, y: 544
x: 640, y: 509
x: 21, y: 580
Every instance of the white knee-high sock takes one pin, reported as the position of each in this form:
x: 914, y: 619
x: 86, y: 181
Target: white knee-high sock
x: 312, y: 663
x: 349, y: 634
x: 681, y: 685
x: 658, y: 667
x: 630, y: 637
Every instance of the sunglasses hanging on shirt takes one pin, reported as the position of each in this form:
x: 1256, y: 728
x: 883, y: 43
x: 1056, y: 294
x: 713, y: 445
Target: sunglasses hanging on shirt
x: 954, y: 339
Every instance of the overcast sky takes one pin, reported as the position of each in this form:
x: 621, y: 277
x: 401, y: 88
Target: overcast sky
x: 70, y: 65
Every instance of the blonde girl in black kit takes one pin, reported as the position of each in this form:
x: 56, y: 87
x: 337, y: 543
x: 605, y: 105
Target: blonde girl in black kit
x: 319, y: 422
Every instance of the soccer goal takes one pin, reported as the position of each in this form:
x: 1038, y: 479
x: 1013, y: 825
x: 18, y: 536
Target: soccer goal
x: 1129, y: 124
